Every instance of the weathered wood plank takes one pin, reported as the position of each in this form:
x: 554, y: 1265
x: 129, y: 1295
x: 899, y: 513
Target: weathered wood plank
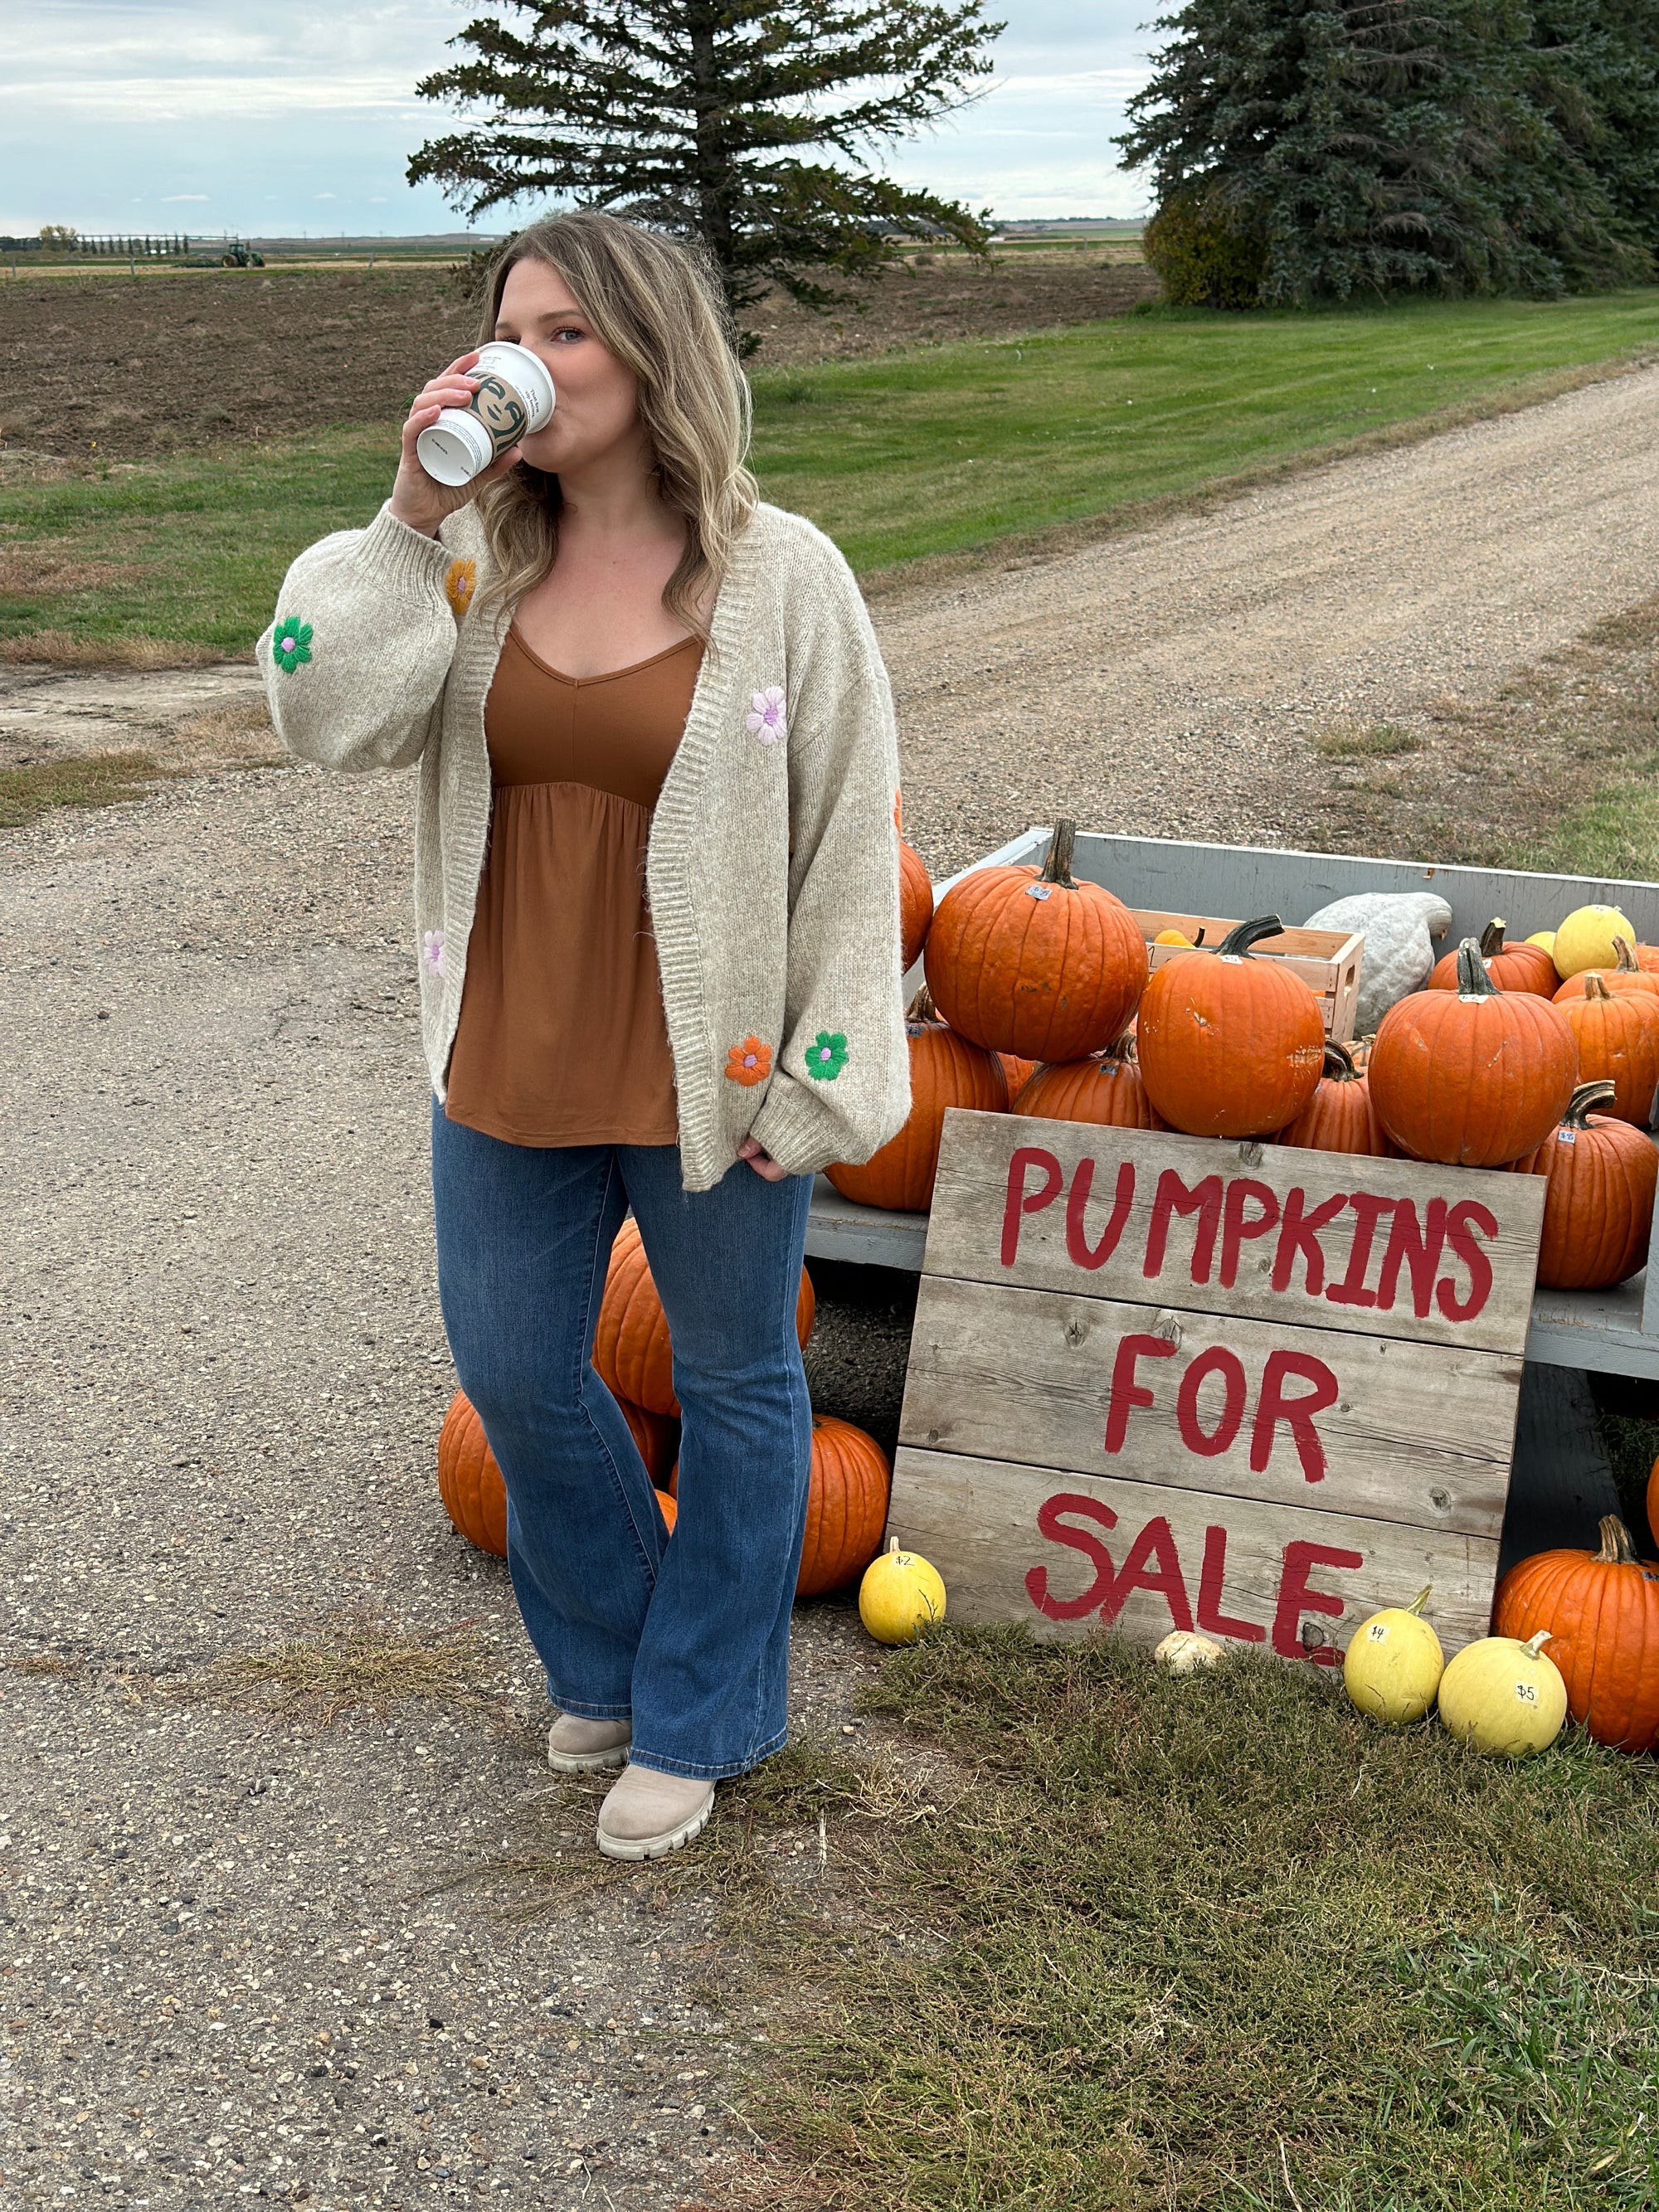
x: 1470, y: 1284
x: 1419, y: 1433
x: 1011, y: 1548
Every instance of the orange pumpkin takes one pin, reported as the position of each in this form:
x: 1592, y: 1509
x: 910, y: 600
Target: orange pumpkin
x: 1647, y: 957
x: 1601, y: 1609
x: 946, y: 1070
x: 1474, y: 1077
x: 1231, y: 1045
x: 1617, y: 1038
x: 846, y: 1509
x: 1016, y: 1072
x: 1026, y: 961
x: 470, y: 1480
x: 1598, y: 1210
x: 632, y: 1355
x: 1340, y: 1117
x: 915, y: 903
x: 1511, y: 967
x: 1106, y: 1089
x: 1628, y: 975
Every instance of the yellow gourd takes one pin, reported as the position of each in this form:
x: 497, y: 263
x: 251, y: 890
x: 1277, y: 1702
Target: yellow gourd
x: 900, y: 1595
x: 1182, y: 1652
x: 1544, y: 937
x: 1393, y: 1664
x: 1174, y: 937
x: 1503, y: 1697
x: 1585, y: 938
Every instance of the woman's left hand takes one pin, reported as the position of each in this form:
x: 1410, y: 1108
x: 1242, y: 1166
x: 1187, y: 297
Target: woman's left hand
x: 760, y: 1159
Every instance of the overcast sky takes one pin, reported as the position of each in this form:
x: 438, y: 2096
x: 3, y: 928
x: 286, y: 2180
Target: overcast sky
x: 203, y: 115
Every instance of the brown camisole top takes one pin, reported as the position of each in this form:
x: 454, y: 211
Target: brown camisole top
x: 561, y: 1039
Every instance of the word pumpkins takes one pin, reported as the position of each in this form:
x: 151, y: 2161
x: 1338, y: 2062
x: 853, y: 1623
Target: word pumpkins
x: 1472, y: 1078
x: 1231, y: 1045
x: 1026, y: 961
x: 1601, y: 1609
x: 632, y: 1354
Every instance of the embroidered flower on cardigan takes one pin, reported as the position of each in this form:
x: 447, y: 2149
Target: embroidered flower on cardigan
x: 460, y: 581
x: 826, y: 1055
x: 749, y: 1063
x: 432, y: 952
x: 290, y: 643
x: 766, y: 715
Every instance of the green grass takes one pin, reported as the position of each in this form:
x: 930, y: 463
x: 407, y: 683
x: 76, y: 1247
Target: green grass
x: 937, y: 451
x: 1220, y: 1943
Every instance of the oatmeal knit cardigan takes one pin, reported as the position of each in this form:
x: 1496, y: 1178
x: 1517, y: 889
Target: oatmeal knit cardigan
x: 772, y: 867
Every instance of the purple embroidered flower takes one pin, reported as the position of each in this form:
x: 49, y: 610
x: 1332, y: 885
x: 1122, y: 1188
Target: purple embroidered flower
x: 432, y: 952
x: 766, y: 714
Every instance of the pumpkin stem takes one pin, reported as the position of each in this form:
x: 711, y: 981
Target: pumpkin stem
x: 921, y: 1007
x: 1472, y: 980
x: 1122, y: 1049
x: 1535, y: 1645
x: 1427, y: 1590
x: 1623, y: 957
x: 1617, y: 1549
x: 1595, y: 988
x: 1584, y: 1101
x: 1198, y: 939
x: 1238, y: 942
x: 1057, y: 867
x: 1338, y: 1063
x: 1492, y: 937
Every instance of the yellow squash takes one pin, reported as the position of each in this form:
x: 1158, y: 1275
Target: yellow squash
x: 1503, y: 1697
x: 1393, y: 1664
x: 1585, y: 938
x: 900, y: 1595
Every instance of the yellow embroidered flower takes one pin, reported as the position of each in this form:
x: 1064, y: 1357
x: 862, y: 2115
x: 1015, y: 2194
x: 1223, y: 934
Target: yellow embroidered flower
x: 749, y: 1063
x: 460, y: 581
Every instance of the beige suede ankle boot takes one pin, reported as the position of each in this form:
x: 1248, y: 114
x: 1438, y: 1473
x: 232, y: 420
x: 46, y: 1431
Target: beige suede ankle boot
x: 647, y: 1815
x: 575, y: 1746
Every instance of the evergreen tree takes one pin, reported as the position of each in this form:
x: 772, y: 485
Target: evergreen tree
x: 1378, y: 146
x: 697, y: 114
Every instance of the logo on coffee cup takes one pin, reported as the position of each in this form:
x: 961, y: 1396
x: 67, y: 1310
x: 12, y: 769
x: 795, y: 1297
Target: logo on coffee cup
x: 501, y: 410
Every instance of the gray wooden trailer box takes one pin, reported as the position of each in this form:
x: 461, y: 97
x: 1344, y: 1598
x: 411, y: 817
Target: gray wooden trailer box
x: 1562, y: 1483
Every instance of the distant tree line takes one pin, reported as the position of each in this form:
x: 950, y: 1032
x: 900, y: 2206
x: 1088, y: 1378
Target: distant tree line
x: 1306, y: 149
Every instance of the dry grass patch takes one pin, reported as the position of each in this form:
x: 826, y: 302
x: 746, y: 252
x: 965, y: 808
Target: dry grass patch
x: 82, y: 779
x: 359, y: 1665
x: 63, y: 649
x: 239, y: 735
x: 38, y: 568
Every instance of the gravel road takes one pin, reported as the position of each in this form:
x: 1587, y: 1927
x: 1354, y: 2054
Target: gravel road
x: 227, y: 1972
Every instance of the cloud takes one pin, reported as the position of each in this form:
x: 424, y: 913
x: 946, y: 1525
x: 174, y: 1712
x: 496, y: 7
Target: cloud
x: 173, y: 199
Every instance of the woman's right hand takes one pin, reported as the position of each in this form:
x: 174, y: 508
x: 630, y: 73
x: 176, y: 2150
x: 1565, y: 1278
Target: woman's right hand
x: 417, y: 498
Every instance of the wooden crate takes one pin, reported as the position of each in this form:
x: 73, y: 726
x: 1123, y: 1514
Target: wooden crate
x: 1327, y: 960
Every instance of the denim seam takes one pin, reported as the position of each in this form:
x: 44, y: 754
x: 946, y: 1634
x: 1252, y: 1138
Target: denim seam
x: 693, y: 1773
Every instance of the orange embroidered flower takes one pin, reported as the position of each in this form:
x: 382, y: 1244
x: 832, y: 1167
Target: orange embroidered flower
x: 460, y: 581
x: 749, y: 1063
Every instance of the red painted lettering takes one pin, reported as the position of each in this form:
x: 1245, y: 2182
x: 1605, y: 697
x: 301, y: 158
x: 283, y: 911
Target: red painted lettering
x: 1298, y: 1232
x: 1466, y: 1217
x: 1155, y: 1542
x: 1414, y: 1246
x: 1367, y: 1211
x: 1295, y: 1598
x: 1127, y: 1393
x: 1237, y: 1226
x: 1218, y: 1360
x: 1020, y: 1201
x: 1297, y: 1413
x: 1060, y: 1531
x: 1083, y: 1254
x: 1174, y: 1197
x: 1210, y: 1616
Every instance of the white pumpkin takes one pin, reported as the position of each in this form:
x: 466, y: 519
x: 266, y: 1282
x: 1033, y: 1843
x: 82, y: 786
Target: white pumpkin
x: 1182, y: 1652
x: 1399, y: 929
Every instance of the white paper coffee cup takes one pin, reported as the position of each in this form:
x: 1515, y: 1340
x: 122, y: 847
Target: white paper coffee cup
x: 512, y: 395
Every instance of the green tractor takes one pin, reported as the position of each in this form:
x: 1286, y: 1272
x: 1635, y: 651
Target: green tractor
x: 235, y: 255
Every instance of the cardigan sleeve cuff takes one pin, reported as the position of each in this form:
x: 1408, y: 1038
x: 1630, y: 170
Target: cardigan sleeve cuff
x: 404, y: 558
x: 797, y: 1129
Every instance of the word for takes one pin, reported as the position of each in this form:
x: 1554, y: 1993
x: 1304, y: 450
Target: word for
x: 1233, y: 1211
x: 1275, y: 1403
x: 1152, y: 1563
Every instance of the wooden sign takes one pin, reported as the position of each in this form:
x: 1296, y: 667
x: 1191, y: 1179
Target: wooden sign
x: 1165, y: 1382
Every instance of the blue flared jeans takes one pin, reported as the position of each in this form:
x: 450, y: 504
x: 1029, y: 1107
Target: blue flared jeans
x: 689, y: 1638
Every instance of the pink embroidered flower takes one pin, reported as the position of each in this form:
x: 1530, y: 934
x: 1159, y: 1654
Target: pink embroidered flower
x: 766, y: 715
x: 432, y: 952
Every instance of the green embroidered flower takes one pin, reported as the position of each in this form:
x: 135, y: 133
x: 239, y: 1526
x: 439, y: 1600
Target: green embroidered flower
x: 826, y: 1057
x: 291, y: 642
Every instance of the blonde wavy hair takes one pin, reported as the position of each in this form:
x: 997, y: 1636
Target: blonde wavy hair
x: 658, y: 306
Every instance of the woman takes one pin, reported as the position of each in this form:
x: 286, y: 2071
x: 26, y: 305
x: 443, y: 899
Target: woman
x: 657, y: 906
